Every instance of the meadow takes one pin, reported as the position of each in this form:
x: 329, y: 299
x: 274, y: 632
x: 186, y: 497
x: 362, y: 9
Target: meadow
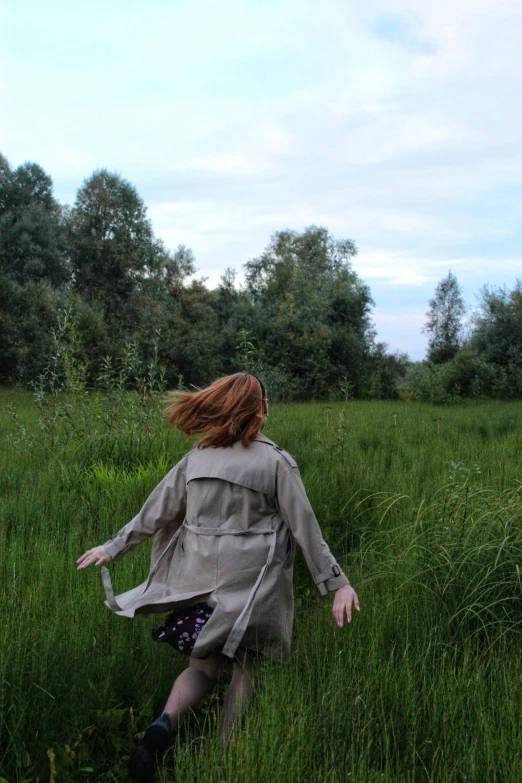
x: 421, y: 504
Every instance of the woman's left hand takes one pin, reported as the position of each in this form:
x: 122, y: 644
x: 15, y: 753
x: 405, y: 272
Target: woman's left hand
x: 344, y: 598
x: 98, y: 555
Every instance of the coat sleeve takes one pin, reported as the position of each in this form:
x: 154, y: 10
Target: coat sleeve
x: 165, y: 505
x: 297, y: 513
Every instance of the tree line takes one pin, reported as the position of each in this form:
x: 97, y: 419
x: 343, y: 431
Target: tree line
x: 301, y: 320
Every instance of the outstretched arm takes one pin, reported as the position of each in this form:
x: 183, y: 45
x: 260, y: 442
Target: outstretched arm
x: 166, y: 504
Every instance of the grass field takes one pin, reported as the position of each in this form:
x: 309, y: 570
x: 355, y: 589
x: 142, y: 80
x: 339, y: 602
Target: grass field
x: 422, y: 505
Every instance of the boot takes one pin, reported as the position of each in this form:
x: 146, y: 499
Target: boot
x: 142, y: 763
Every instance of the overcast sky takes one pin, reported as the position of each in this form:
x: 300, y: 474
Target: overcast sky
x: 397, y: 125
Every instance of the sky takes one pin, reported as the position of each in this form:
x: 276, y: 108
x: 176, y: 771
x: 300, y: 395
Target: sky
x: 397, y: 125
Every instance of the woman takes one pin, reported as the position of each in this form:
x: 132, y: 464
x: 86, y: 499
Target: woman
x: 225, y: 520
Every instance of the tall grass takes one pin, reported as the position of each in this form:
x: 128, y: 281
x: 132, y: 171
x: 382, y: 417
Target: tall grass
x: 423, y: 686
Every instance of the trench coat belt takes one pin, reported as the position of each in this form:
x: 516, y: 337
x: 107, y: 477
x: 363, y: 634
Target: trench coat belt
x: 241, y: 623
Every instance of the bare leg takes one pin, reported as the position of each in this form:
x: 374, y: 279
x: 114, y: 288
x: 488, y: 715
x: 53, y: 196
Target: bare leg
x: 238, y: 694
x: 193, y: 684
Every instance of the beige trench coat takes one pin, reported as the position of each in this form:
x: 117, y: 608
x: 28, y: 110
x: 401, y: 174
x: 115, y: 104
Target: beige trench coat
x: 225, y: 523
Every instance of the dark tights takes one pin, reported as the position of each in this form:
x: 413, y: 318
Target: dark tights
x: 201, y: 676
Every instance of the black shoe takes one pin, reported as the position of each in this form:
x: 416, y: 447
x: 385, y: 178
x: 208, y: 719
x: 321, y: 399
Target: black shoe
x: 142, y: 763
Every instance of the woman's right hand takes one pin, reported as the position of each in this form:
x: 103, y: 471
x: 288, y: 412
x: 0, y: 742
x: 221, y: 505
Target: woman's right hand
x: 98, y: 555
x: 344, y: 598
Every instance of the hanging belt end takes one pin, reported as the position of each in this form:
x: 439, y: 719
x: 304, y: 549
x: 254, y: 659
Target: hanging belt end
x: 109, y: 592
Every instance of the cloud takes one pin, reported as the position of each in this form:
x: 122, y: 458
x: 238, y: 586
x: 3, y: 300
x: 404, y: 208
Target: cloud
x: 404, y: 31
x: 407, y: 269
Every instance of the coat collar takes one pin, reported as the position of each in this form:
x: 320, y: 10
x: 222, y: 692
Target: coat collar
x: 264, y: 439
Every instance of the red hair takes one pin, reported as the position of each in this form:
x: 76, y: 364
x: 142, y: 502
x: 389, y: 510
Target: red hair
x: 228, y: 410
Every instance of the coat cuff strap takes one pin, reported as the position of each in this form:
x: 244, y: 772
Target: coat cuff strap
x: 333, y: 570
x: 331, y: 579
x: 336, y: 582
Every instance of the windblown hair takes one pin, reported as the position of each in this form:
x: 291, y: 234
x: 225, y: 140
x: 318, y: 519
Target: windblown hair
x: 228, y: 410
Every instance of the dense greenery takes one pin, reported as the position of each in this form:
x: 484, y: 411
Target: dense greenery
x: 302, y: 319
x: 303, y: 310
x: 485, y: 362
x: 422, y: 506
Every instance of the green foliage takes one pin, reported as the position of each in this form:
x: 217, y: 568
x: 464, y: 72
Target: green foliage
x: 311, y: 312
x: 444, y: 324
x: 27, y: 315
x: 245, y: 351
x: 111, y: 239
x: 497, y: 333
x: 32, y: 226
x: 467, y: 375
x: 73, y: 419
x: 386, y: 372
x: 191, y: 343
x: 488, y: 365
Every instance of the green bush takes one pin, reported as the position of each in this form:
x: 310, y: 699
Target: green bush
x: 467, y: 375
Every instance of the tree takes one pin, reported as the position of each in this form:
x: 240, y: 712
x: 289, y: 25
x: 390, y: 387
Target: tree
x: 311, y: 311
x: 32, y: 226
x: 112, y: 244
x: 444, y: 324
x: 497, y: 326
